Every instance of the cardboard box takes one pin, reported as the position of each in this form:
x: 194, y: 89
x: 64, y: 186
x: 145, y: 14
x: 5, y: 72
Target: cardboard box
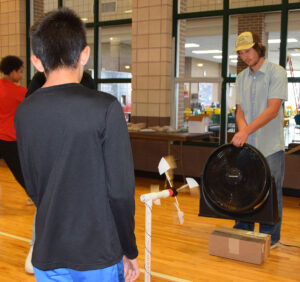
x: 248, y: 246
x: 198, y: 123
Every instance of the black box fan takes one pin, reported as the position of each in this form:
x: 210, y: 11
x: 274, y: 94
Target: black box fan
x: 237, y: 184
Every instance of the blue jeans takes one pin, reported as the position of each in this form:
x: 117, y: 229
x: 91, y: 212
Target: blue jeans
x: 276, y: 164
x: 113, y: 273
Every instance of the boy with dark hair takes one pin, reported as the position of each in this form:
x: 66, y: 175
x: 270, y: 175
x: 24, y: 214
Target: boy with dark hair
x: 9, y: 64
x: 11, y: 95
x: 76, y: 156
x: 38, y: 80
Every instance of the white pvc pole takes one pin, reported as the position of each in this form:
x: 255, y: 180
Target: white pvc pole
x: 147, y: 199
x: 148, y: 226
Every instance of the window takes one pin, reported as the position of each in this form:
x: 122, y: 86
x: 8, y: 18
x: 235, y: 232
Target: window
x: 252, y: 3
x: 109, y: 40
x: 199, y: 71
x: 196, y: 25
x: 115, y: 50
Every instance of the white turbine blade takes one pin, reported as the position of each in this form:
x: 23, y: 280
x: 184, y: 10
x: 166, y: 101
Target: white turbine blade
x: 182, y: 187
x: 163, y: 166
x: 192, y: 182
x: 180, y: 213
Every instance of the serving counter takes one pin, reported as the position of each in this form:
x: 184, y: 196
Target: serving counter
x: 149, y: 147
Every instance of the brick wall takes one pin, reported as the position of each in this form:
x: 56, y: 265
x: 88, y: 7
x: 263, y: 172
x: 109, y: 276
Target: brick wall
x: 38, y: 9
x: 181, y: 65
x: 251, y: 22
x: 151, y: 61
x: 13, y: 31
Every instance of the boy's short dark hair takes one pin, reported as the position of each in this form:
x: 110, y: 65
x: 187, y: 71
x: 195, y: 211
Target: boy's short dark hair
x: 10, y: 63
x: 58, y: 39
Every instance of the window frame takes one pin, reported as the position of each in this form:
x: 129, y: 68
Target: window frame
x: 96, y: 24
x: 226, y: 12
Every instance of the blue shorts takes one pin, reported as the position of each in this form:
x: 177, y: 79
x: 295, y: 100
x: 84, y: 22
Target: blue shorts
x: 114, y: 273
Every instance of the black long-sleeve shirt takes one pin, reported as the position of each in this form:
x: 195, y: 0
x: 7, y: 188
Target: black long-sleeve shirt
x: 76, y: 159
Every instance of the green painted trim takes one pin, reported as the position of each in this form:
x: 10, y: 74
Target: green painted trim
x: 174, y: 33
x: 113, y: 80
x: 294, y: 79
x: 89, y: 25
x: 255, y: 9
x: 229, y: 79
x: 60, y: 3
x: 283, y: 33
x: 225, y: 39
x: 223, y: 125
x: 114, y: 22
x: 28, y: 62
x: 96, y: 40
x: 294, y: 6
x: 205, y: 14
x: 225, y: 36
x: 233, y: 11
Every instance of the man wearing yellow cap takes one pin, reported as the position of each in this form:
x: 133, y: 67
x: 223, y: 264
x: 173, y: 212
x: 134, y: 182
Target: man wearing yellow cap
x: 261, y: 90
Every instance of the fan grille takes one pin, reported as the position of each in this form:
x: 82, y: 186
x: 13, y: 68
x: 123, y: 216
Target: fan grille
x: 236, y: 180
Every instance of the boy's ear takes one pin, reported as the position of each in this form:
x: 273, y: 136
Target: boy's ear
x: 84, y: 55
x: 37, y: 63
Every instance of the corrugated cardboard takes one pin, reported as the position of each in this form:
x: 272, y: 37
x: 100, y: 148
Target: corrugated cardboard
x: 248, y: 246
x: 198, y: 123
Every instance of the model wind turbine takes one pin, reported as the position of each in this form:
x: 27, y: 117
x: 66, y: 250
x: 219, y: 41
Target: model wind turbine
x: 166, y: 166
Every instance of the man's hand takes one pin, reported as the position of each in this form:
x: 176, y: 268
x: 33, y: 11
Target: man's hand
x: 131, y: 269
x: 240, y: 138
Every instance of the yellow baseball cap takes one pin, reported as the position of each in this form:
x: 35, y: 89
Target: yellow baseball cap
x: 244, y: 41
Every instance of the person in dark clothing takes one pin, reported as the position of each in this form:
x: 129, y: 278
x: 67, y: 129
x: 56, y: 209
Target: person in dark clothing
x: 11, y: 95
x: 77, y: 163
x: 39, y: 79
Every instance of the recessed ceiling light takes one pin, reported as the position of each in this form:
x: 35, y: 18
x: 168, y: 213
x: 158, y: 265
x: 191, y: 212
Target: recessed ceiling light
x: 191, y: 45
x: 230, y: 56
x: 127, y: 67
x: 199, y: 65
x: 274, y: 41
x: 207, y: 51
x: 128, y: 11
x: 292, y: 40
x: 289, y: 40
x: 84, y: 19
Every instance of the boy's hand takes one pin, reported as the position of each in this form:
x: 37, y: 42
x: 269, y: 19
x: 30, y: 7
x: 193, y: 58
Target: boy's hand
x: 131, y: 269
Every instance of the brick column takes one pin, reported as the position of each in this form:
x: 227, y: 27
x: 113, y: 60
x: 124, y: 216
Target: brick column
x: 255, y: 23
x: 151, y: 61
x: 181, y: 66
x: 13, y: 30
x: 38, y: 9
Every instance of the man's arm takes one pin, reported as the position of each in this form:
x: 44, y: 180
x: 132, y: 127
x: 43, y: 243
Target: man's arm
x: 240, y: 118
x: 240, y: 138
